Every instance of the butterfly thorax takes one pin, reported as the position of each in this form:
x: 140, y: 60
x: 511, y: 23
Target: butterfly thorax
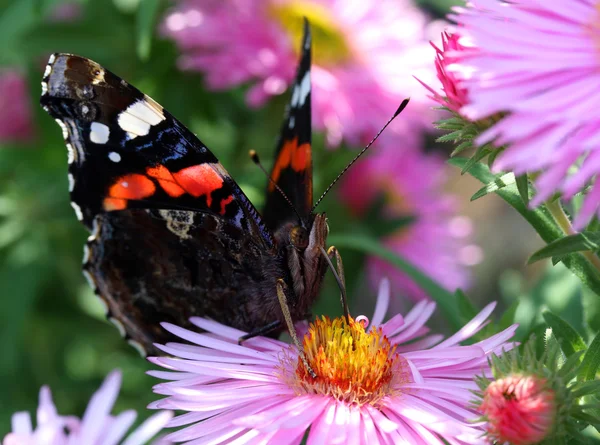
x: 301, y: 246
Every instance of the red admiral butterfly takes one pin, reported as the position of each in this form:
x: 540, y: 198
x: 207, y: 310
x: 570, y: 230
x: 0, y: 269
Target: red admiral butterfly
x: 172, y: 234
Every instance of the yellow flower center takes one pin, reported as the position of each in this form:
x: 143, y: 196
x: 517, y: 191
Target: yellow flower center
x: 330, y: 44
x: 352, y: 365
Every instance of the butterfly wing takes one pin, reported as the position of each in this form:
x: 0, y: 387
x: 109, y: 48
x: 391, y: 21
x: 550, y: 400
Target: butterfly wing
x: 292, y: 170
x: 172, y: 235
x: 126, y: 151
x: 152, y: 266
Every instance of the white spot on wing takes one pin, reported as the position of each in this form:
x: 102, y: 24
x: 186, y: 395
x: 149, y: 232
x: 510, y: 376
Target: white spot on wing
x: 292, y: 121
x: 104, y: 306
x: 51, y: 59
x: 95, y: 230
x: 47, y: 71
x: 295, y: 96
x: 71, y: 182
x: 86, y: 254
x: 89, y: 279
x: 140, y: 116
x: 138, y: 346
x: 119, y: 326
x: 78, y: 212
x: 63, y: 127
x: 44, y: 89
x: 99, y: 133
x: 304, y: 88
x: 114, y: 156
x: 70, y: 153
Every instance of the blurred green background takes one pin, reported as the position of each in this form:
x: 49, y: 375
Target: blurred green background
x: 52, y: 328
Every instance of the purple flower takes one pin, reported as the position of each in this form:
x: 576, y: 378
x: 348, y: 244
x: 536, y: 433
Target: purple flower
x: 436, y: 240
x: 365, y: 53
x: 453, y: 95
x: 96, y: 427
x: 538, y: 62
x: 16, y: 123
x: 379, y: 383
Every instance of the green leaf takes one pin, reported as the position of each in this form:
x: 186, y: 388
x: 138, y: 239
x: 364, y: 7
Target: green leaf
x: 496, y: 184
x: 466, y: 308
x: 568, y: 244
x: 145, y: 23
x: 446, y: 300
x: 523, y: 187
x: 450, y: 137
x: 482, y: 152
x: 570, y: 340
x: 540, y: 219
x: 591, y: 361
x: 461, y: 147
x: 508, y: 318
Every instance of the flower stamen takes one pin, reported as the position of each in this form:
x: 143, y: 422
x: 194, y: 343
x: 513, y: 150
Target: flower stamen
x: 352, y: 365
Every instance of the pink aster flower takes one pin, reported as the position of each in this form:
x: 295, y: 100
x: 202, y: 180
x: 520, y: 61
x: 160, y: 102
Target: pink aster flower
x: 538, y: 62
x: 411, y: 185
x: 453, y: 94
x: 520, y: 409
x: 96, y: 427
x: 16, y: 123
x: 381, y: 383
x: 364, y: 52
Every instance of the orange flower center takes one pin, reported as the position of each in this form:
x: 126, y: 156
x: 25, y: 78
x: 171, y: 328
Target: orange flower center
x: 330, y: 42
x: 352, y: 365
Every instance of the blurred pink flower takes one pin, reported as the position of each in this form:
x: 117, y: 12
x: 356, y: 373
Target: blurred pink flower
x: 453, y: 95
x: 16, y: 123
x: 538, y: 61
x: 364, y: 52
x: 66, y: 12
x: 387, y: 384
x: 96, y: 427
x: 411, y: 185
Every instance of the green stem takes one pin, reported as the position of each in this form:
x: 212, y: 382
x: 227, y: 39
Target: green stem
x: 563, y: 221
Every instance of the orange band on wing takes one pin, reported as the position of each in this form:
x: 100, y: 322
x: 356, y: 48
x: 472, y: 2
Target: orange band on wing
x: 298, y: 156
x: 199, y: 180
x: 111, y: 204
x: 224, y: 203
x: 133, y: 186
x: 166, y: 180
x: 302, y: 158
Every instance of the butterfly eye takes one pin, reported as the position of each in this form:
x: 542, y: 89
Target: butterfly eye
x: 299, y: 237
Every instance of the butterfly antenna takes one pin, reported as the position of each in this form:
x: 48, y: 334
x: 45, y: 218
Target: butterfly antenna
x: 256, y: 160
x: 398, y: 111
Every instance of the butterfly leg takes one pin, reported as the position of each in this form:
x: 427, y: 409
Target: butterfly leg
x: 260, y: 331
x: 290, y: 324
x: 338, y: 273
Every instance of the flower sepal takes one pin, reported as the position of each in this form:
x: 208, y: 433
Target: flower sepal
x: 537, y: 400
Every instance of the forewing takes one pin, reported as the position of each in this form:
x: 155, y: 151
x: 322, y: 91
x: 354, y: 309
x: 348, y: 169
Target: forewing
x: 292, y: 170
x: 126, y: 151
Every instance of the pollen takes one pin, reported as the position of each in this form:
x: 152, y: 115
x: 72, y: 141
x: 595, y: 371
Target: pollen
x: 331, y: 45
x: 352, y: 365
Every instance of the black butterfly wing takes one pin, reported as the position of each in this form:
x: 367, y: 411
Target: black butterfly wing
x: 151, y: 266
x: 292, y: 169
x: 172, y: 235
x: 126, y: 151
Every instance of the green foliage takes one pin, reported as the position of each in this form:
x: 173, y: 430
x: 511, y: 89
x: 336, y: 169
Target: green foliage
x: 578, y: 242
x: 541, y: 219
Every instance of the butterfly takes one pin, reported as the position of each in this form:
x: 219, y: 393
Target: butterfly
x: 172, y: 235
